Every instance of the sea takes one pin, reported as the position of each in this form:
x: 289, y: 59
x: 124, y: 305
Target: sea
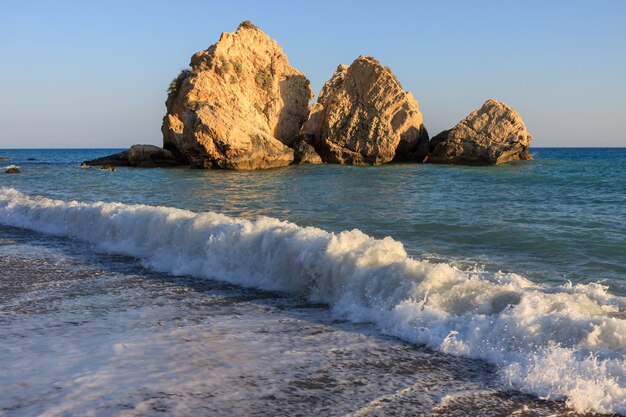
x: 402, y: 289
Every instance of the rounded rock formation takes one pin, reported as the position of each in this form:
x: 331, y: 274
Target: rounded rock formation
x: 493, y: 134
x: 363, y: 116
x: 238, y: 107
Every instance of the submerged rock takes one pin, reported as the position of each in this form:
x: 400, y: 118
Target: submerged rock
x: 118, y: 159
x: 4, y: 158
x: 12, y: 170
x: 363, y: 116
x: 145, y: 156
x: 108, y: 168
x: 239, y: 105
x: 493, y: 134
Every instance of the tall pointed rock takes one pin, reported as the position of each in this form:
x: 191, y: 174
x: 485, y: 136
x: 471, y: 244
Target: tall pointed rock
x: 238, y: 106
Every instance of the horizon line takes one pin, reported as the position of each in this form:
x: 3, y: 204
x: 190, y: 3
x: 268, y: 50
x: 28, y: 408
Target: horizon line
x: 105, y: 148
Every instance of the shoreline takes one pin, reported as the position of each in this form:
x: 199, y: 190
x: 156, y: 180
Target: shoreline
x: 206, y: 347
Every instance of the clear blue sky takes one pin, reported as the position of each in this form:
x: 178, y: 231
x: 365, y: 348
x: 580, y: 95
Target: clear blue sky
x: 95, y: 74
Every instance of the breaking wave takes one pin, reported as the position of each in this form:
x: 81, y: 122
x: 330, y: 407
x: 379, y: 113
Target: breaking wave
x: 566, y: 342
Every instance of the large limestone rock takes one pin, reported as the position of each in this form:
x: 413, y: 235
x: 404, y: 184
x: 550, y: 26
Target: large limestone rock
x: 239, y: 106
x: 144, y: 156
x: 493, y: 134
x: 363, y: 116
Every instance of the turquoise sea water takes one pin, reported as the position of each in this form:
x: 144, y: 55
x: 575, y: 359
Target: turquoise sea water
x: 402, y: 289
x: 559, y: 218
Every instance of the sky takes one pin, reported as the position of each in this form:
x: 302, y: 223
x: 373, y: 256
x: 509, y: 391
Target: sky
x: 95, y: 74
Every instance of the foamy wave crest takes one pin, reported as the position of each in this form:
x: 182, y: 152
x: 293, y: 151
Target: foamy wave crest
x: 564, y: 342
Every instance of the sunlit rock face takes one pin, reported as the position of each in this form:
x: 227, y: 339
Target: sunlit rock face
x: 363, y: 116
x: 493, y: 134
x: 239, y: 106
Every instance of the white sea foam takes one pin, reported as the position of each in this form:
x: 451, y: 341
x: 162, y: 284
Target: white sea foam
x: 564, y: 342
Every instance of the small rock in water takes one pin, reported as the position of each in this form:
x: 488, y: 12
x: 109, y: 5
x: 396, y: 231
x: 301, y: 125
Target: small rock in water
x: 4, y: 158
x: 146, y: 156
x: 493, y: 134
x: 108, y: 168
x: 12, y: 170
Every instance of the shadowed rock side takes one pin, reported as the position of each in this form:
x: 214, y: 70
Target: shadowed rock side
x: 239, y: 106
x: 493, y: 134
x: 304, y: 153
x: 363, y: 116
x: 145, y: 156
